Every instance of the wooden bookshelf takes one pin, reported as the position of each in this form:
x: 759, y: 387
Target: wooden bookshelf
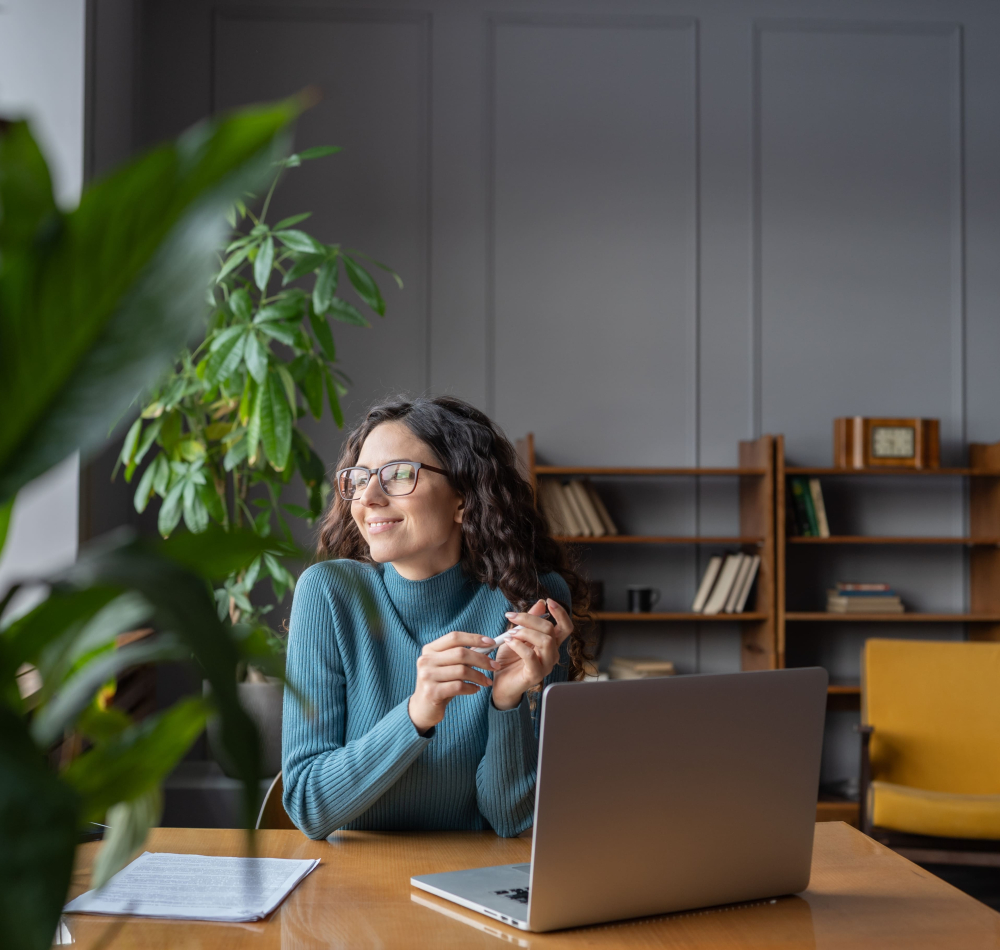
x: 755, y: 472
x: 981, y: 621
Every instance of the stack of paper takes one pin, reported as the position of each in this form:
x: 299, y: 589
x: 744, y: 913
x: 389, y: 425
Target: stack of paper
x: 195, y: 887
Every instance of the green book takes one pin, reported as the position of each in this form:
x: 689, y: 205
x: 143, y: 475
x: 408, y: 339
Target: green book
x: 804, y: 510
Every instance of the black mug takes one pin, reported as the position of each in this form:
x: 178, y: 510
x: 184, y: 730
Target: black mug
x: 641, y: 600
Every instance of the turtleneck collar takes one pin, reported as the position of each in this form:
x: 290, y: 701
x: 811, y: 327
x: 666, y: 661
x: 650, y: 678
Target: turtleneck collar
x: 426, y: 606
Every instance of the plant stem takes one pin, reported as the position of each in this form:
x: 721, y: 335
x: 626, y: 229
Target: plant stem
x: 267, y: 200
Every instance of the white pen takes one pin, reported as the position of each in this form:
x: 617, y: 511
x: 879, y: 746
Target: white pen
x: 503, y: 638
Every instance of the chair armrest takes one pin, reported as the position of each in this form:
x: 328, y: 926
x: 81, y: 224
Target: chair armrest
x: 864, y: 778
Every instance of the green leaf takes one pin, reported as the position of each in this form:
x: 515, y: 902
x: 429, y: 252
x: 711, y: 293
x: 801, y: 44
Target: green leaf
x: 319, y: 151
x: 38, y: 836
x: 171, y: 510
x: 281, y: 332
x: 6, y: 510
x: 232, y: 262
x: 290, y: 307
x: 195, y: 512
x: 276, y: 423
x: 144, y: 490
x: 236, y: 454
x: 255, y: 356
x: 346, y: 313
x: 162, y: 477
x: 216, y: 553
x: 149, y: 435
x: 289, y: 384
x: 119, y: 283
x: 137, y: 760
x: 128, y: 823
x: 225, y: 354
x: 331, y: 393
x: 253, y: 426
x: 365, y: 286
x: 298, y: 511
x: 312, y: 387
x: 294, y: 219
x: 326, y: 286
x: 241, y: 304
x: 263, y: 263
x: 310, y: 464
x: 300, y: 241
x: 324, y: 335
x: 306, y: 264
x: 131, y: 441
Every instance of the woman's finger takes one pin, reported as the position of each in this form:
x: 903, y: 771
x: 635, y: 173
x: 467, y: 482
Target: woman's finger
x: 527, y: 654
x: 564, y: 622
x: 457, y: 655
x: 457, y: 638
x: 444, y: 674
x: 531, y: 622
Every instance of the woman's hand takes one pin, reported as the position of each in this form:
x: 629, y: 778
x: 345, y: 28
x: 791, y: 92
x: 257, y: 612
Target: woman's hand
x: 445, y: 669
x: 528, y: 656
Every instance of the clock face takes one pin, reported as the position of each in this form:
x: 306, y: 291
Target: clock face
x: 893, y: 442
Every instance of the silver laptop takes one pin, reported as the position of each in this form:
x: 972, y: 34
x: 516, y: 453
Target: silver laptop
x: 662, y: 795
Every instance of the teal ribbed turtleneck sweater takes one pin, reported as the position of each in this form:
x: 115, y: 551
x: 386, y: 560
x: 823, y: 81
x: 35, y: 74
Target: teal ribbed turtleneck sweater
x: 355, y: 760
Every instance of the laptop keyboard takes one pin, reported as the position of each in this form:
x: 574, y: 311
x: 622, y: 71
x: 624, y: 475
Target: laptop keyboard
x: 519, y: 894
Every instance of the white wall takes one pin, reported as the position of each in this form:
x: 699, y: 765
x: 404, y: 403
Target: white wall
x: 42, y: 78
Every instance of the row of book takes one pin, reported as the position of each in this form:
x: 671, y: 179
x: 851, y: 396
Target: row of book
x: 639, y: 668
x: 725, y: 586
x: 863, y: 599
x: 574, y: 509
x: 807, y: 511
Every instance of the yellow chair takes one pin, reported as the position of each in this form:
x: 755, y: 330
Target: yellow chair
x: 930, y: 762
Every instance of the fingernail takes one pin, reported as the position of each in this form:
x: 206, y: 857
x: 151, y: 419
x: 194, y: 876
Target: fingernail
x: 485, y: 640
x: 510, y: 615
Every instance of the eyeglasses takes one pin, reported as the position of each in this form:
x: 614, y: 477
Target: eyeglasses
x: 394, y: 478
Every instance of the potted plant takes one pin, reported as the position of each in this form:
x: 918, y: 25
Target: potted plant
x: 220, y: 435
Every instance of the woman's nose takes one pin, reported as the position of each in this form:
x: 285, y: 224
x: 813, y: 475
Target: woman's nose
x: 373, y: 494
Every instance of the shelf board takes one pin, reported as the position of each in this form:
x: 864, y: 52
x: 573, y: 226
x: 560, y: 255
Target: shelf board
x: 657, y: 539
x: 811, y: 470
x: 867, y: 539
x: 678, y: 617
x: 913, y: 617
x: 839, y: 690
x: 604, y: 470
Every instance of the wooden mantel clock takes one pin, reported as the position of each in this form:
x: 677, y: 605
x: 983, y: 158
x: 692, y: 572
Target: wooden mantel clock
x: 863, y: 442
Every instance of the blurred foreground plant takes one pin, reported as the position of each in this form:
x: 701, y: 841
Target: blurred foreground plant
x: 93, y: 304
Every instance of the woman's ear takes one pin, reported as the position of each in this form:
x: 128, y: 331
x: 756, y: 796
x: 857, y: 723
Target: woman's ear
x: 460, y: 511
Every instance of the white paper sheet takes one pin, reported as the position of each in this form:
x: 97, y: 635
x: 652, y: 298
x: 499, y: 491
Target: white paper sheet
x: 195, y: 887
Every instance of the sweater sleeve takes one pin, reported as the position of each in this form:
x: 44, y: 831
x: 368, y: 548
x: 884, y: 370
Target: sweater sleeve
x: 505, y: 779
x: 328, y: 782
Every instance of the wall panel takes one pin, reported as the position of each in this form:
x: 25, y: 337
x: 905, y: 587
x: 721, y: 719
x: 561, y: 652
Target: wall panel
x: 594, y: 237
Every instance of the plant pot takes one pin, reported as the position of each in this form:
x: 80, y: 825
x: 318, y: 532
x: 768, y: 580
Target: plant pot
x: 262, y: 702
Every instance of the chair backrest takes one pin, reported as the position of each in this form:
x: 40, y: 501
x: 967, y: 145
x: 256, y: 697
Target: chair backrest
x: 935, y: 709
x: 272, y: 811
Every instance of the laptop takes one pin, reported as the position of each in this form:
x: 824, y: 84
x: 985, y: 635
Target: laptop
x: 661, y: 795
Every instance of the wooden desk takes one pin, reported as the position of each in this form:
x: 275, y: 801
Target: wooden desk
x: 861, y: 896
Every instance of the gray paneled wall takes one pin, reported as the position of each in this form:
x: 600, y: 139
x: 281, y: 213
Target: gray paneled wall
x: 645, y: 229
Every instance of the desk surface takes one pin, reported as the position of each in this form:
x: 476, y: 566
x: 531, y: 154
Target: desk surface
x: 861, y: 896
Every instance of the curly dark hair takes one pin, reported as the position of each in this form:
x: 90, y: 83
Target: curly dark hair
x: 505, y: 542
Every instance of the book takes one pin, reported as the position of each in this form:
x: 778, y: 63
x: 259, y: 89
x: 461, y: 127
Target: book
x: 738, y: 581
x: 550, y: 509
x: 585, y: 505
x: 720, y: 593
x: 566, y: 513
x: 799, y: 495
x: 843, y: 588
x: 816, y: 496
x: 705, y: 587
x: 582, y: 524
x: 602, y: 512
x: 748, y: 583
x: 863, y: 602
x: 639, y: 668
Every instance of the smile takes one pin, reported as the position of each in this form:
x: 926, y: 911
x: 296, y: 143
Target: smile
x: 376, y: 527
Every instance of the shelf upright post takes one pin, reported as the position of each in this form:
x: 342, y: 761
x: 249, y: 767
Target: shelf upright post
x: 757, y: 519
x: 526, y: 456
x: 780, y: 552
x: 984, y: 521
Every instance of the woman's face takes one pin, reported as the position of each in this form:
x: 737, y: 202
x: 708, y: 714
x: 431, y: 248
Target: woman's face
x: 420, y: 533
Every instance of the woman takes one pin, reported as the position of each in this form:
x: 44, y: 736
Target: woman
x: 434, y: 545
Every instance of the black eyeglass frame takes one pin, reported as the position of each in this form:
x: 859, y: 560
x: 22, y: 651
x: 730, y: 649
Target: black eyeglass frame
x: 377, y: 472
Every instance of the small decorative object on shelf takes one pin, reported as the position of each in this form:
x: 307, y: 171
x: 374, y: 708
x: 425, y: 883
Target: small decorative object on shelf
x: 863, y: 599
x: 862, y: 442
x: 639, y: 668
